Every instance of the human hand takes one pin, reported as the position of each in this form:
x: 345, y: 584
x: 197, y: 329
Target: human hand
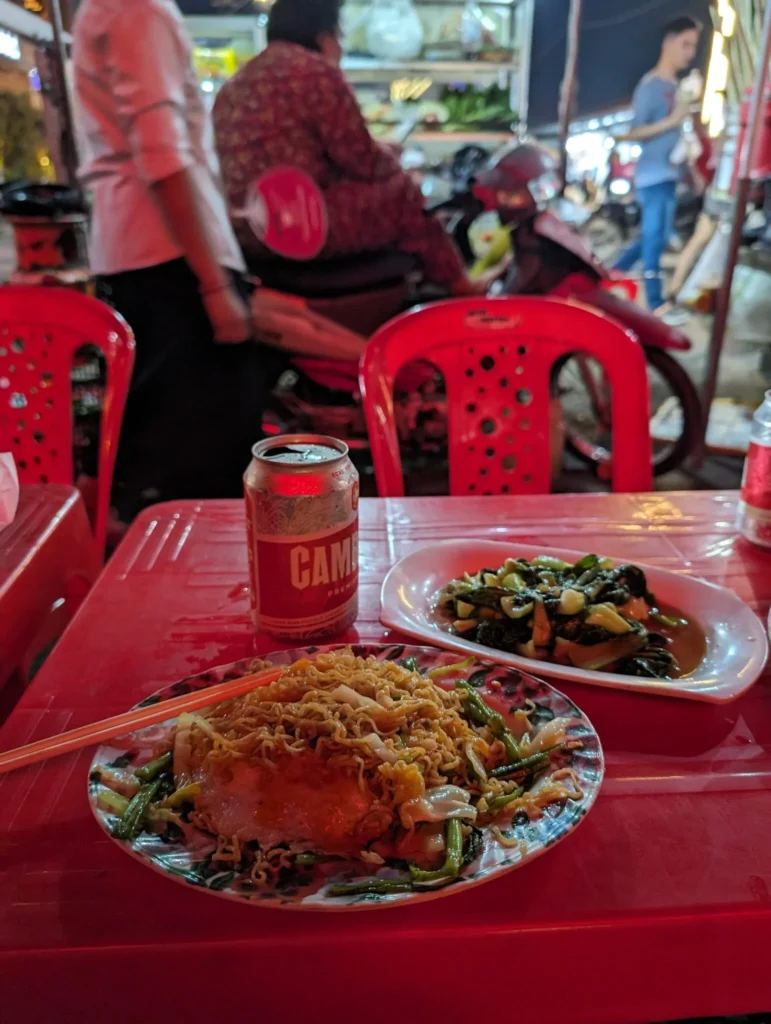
x: 682, y: 110
x: 230, y: 317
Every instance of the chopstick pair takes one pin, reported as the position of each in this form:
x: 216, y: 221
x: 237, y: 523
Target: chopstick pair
x: 118, y: 725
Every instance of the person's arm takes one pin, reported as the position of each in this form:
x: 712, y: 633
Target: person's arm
x: 644, y: 126
x: 179, y: 200
x: 148, y: 79
x: 344, y: 133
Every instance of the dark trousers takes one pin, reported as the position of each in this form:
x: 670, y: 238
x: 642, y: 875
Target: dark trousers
x: 195, y: 408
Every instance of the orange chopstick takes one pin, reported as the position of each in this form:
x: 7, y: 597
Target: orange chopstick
x: 109, y: 728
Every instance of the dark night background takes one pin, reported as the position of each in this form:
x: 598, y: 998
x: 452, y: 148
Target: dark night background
x: 620, y: 41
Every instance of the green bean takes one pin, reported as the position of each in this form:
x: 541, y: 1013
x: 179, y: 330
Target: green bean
x: 483, y: 714
x: 149, y: 771
x: 309, y: 858
x: 453, y: 856
x: 446, y: 670
x: 526, y: 764
x: 130, y: 824
x: 370, y: 887
x: 667, y: 620
x: 306, y: 860
x: 498, y: 802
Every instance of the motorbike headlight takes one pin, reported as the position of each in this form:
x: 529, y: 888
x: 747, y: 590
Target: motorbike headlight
x: 519, y: 199
x: 620, y: 187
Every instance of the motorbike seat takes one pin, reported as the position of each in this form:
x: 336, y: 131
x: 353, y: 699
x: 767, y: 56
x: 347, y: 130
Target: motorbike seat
x: 332, y: 278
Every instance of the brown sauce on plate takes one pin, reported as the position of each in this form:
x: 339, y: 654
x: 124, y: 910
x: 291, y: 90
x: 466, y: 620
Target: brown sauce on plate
x: 687, y: 642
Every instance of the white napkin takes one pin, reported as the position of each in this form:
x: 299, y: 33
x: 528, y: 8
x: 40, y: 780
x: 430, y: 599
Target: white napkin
x: 9, y: 489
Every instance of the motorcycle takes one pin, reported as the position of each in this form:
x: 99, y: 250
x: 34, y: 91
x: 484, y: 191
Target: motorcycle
x: 363, y: 292
x: 552, y: 259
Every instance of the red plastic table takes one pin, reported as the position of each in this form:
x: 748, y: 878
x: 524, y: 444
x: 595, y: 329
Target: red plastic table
x: 47, y: 555
x: 658, y: 907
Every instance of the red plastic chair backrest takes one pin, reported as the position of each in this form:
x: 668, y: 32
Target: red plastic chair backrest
x: 41, y: 329
x: 496, y: 357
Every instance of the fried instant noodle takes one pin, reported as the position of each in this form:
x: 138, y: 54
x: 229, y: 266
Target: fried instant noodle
x: 353, y: 757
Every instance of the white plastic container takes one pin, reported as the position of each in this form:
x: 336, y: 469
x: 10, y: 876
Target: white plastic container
x: 394, y: 30
x: 754, y: 518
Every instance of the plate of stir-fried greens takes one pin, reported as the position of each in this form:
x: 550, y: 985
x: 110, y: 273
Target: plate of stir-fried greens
x: 579, y: 615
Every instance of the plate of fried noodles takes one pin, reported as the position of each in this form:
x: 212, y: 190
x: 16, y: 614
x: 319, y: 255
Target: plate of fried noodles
x: 364, y: 776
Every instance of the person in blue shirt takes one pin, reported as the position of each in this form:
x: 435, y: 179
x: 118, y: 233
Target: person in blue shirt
x: 657, y: 126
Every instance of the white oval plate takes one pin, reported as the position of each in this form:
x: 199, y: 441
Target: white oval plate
x: 188, y: 860
x: 737, y: 644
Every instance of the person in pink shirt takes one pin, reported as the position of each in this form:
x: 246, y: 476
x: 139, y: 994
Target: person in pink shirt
x: 165, y: 256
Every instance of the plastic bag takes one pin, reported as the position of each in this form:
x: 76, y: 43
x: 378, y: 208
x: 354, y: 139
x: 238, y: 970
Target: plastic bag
x: 9, y: 489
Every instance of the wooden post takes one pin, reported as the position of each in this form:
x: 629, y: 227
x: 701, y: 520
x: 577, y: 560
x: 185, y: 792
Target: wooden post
x: 568, y: 86
x: 68, y: 144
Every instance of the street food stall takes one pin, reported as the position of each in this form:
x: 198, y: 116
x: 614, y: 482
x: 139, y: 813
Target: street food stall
x: 451, y: 73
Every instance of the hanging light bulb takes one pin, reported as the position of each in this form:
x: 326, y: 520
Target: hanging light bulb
x: 728, y: 21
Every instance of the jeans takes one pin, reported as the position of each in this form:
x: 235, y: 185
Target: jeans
x: 657, y: 203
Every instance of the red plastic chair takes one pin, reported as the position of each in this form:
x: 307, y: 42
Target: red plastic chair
x: 41, y: 329
x: 496, y: 356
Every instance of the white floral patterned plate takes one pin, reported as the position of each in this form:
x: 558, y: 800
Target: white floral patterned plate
x: 189, y: 861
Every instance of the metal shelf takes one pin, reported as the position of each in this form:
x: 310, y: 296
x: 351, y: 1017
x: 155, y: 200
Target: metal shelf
x: 508, y: 4
x: 464, y: 137
x: 361, y: 69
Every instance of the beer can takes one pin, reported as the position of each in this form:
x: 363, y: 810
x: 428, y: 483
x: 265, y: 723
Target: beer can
x: 302, y: 514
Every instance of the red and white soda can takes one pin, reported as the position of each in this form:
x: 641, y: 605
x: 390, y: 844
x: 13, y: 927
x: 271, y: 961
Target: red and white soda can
x: 754, y: 519
x: 302, y: 514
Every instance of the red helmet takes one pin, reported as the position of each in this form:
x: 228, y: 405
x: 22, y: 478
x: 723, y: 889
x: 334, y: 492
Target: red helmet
x: 518, y: 178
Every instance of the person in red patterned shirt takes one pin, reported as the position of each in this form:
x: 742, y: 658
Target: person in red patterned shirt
x: 292, y: 106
